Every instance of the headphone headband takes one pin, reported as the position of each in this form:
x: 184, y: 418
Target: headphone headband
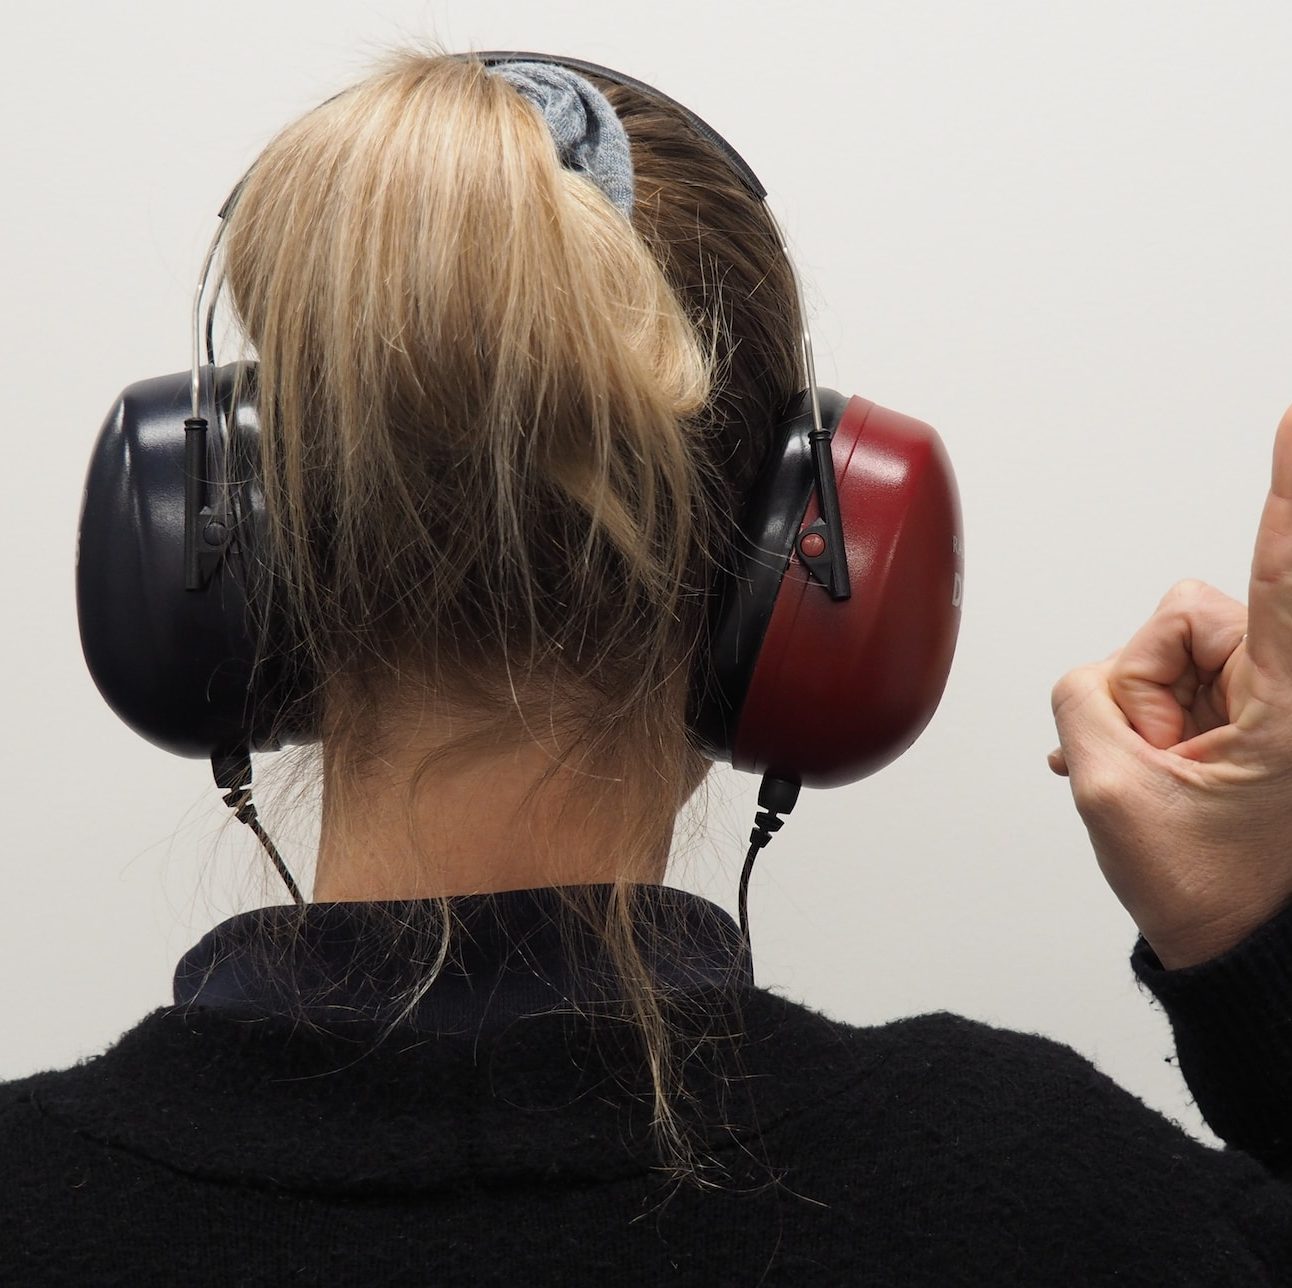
x: 494, y: 57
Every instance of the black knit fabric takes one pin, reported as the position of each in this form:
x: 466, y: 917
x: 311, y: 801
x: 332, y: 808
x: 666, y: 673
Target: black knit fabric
x: 501, y: 1135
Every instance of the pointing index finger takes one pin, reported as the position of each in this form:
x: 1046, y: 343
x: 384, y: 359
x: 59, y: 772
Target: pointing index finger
x: 1269, y: 606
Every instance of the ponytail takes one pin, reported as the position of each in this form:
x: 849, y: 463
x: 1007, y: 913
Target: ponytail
x: 504, y: 434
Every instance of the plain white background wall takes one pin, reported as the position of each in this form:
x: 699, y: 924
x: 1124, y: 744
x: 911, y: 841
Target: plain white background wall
x: 1058, y: 233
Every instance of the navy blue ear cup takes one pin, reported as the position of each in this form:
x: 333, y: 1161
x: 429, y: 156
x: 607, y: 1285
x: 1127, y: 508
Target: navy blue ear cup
x: 175, y: 665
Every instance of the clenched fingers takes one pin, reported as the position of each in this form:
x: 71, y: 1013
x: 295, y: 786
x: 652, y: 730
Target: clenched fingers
x: 1166, y: 679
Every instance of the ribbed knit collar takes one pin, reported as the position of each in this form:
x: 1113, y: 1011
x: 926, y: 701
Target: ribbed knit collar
x: 510, y: 954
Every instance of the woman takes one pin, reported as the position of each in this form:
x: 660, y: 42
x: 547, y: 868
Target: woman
x: 504, y: 435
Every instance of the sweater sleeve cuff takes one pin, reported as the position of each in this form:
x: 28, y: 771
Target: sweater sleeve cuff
x: 1232, y: 1021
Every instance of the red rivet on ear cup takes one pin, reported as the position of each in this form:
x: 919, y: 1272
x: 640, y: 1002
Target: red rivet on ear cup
x: 812, y: 545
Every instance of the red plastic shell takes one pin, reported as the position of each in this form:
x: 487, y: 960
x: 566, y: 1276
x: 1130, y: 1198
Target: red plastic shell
x: 843, y: 687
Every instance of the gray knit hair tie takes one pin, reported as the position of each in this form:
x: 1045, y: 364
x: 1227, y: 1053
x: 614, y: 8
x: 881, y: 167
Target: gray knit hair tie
x: 590, y: 138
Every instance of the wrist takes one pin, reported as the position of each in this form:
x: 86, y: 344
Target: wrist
x: 1212, y: 939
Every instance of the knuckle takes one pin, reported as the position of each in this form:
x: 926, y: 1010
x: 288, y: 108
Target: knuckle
x: 1062, y: 691
x: 1070, y: 686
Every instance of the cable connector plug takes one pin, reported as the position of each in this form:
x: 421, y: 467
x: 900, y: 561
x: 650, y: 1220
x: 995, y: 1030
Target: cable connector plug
x: 239, y: 801
x: 232, y: 772
x: 776, y: 796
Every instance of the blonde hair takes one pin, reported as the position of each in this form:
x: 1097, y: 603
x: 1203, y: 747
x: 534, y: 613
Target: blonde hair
x: 504, y: 435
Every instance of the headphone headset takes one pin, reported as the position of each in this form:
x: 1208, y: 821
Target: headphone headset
x: 831, y: 637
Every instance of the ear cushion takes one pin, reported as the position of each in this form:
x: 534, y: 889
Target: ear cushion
x: 745, y: 594
x: 837, y: 689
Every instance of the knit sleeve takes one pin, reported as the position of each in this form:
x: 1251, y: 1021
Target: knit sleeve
x: 1232, y: 1021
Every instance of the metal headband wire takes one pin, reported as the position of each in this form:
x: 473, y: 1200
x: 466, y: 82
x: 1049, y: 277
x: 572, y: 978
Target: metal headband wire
x: 809, y: 362
x: 196, y: 378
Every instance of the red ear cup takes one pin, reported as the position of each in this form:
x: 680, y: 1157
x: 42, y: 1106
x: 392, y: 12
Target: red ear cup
x: 841, y: 688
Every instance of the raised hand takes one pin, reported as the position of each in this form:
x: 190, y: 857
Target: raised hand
x: 1179, y: 751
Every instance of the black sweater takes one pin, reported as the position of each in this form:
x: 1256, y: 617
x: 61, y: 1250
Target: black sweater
x: 492, y: 1139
